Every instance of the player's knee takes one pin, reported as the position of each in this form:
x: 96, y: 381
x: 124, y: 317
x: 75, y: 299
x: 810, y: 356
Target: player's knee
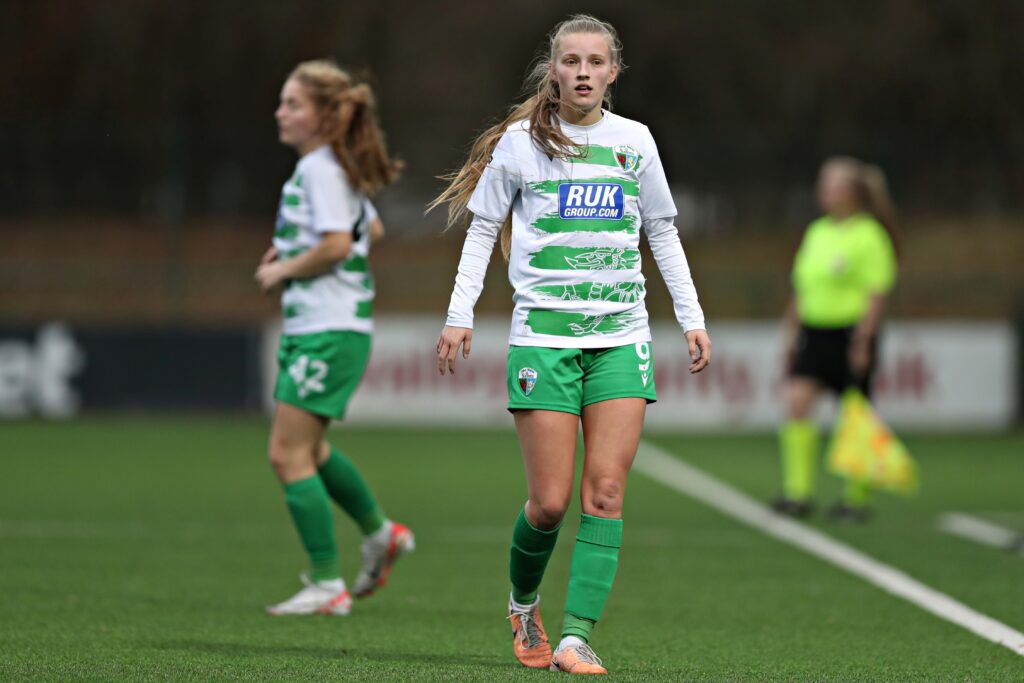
x: 284, y: 460
x: 605, y: 497
x: 547, y: 513
x: 278, y: 460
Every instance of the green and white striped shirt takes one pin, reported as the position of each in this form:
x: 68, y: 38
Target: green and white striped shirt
x: 575, y: 260
x: 318, y: 199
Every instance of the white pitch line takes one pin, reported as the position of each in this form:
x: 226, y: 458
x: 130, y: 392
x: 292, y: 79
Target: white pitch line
x: 684, y: 478
x: 977, y: 530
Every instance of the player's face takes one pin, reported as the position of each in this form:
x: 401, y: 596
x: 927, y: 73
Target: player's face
x: 297, y: 118
x: 583, y: 69
x: 836, y: 192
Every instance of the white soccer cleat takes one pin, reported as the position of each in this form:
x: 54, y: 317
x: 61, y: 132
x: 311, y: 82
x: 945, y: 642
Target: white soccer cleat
x: 380, y: 551
x: 318, y: 597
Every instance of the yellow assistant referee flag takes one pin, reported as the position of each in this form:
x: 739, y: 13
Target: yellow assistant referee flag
x: 864, y: 449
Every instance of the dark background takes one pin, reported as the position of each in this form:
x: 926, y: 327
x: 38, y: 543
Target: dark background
x: 138, y: 142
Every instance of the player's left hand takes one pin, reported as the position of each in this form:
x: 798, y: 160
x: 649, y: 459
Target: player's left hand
x: 270, y: 275
x: 448, y: 347
x: 700, y: 349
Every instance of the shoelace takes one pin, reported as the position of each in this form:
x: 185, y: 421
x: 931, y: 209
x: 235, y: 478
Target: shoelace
x: 588, y: 655
x: 529, y: 631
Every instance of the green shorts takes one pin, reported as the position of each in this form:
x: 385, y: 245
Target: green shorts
x: 319, y: 372
x: 566, y: 380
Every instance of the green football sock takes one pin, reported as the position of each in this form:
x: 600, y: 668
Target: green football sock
x: 531, y: 550
x: 349, y: 490
x: 856, y: 493
x: 798, y: 442
x: 591, y: 574
x: 311, y: 511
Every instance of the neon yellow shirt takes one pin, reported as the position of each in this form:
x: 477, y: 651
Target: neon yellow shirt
x: 839, y: 266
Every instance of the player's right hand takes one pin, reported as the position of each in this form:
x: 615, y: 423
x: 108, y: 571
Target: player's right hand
x: 448, y: 347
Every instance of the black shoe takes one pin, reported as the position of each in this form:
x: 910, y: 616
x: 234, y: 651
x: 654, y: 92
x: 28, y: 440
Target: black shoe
x: 843, y: 512
x: 793, y: 508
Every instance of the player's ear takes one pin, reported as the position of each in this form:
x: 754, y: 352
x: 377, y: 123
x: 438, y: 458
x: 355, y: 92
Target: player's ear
x: 614, y: 74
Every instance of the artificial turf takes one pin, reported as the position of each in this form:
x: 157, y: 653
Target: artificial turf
x: 145, y: 549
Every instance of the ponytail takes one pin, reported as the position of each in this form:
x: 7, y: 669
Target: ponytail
x: 349, y: 124
x: 547, y: 136
x: 879, y: 201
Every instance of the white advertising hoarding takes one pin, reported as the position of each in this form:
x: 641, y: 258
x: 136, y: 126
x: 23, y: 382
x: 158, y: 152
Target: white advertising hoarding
x: 933, y: 375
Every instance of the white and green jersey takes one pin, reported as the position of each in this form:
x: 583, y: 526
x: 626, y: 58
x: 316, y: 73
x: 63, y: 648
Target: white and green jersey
x: 575, y: 261
x: 318, y: 199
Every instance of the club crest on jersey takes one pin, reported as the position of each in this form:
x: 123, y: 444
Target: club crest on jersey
x: 527, y: 380
x: 627, y: 157
x: 590, y: 201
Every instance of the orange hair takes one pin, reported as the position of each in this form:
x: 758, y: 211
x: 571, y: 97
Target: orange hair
x: 349, y: 123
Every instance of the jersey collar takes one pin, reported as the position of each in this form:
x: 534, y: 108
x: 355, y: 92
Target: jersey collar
x: 573, y: 128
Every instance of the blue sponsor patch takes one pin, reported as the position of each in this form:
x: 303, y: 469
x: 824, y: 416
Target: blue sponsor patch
x: 591, y: 201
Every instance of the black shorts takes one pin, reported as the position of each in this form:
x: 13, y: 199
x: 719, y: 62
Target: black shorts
x: 823, y: 354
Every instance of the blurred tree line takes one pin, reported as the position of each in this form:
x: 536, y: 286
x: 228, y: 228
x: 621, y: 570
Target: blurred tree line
x: 163, y: 108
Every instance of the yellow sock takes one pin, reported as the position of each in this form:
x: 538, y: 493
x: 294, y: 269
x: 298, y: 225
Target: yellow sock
x: 856, y: 493
x: 798, y: 443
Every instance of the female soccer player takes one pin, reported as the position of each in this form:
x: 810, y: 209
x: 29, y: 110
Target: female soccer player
x: 567, y: 185
x: 843, y: 272
x: 319, y: 260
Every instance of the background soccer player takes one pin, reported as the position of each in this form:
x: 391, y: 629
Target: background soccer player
x: 843, y: 272
x: 567, y: 186
x: 319, y: 259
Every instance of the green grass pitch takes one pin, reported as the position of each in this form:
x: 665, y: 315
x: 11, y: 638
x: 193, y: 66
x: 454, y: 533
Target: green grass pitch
x: 145, y: 549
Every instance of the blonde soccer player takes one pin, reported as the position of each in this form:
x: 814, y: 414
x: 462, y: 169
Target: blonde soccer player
x: 319, y: 261
x: 566, y: 186
x: 842, y: 275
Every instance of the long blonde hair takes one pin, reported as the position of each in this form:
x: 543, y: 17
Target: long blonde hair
x: 349, y: 123
x: 540, y: 109
x: 872, y: 192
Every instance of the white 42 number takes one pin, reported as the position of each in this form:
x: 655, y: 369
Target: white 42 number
x: 313, y: 382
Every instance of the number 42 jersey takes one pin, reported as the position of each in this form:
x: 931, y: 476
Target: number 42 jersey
x: 575, y: 260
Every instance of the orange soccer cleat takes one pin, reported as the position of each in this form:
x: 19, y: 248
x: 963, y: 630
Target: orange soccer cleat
x: 529, y: 640
x: 577, y: 659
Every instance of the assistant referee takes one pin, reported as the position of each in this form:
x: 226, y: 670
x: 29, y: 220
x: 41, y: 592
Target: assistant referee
x: 842, y: 275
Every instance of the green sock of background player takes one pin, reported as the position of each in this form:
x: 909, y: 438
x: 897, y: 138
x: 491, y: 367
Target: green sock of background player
x: 311, y: 511
x: 531, y: 550
x: 595, y: 559
x: 798, y: 443
x: 347, y: 487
